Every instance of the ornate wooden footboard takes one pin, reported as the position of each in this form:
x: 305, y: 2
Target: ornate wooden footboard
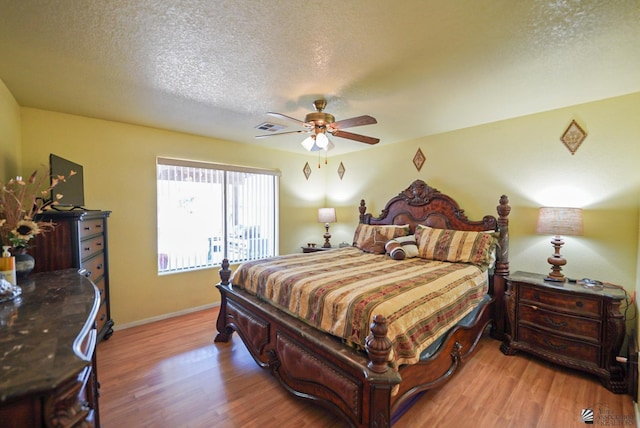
x: 359, y: 386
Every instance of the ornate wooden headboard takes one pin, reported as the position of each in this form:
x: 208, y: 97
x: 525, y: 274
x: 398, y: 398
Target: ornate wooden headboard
x: 421, y: 204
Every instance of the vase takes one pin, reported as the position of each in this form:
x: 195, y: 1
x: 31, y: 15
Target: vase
x: 24, y: 262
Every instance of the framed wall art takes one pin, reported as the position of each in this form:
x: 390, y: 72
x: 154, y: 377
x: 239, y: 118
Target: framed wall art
x: 573, y: 137
x: 418, y: 159
x: 341, y: 170
x: 306, y: 170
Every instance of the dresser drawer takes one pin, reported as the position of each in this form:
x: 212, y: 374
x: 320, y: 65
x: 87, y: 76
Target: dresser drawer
x: 90, y: 227
x: 101, y: 318
x: 587, y: 328
x: 102, y: 288
x: 89, y: 247
x: 561, y: 346
x: 572, y: 303
x: 95, y: 267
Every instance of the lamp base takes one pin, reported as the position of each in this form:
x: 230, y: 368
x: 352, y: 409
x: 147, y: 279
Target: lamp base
x: 326, y: 236
x: 556, y: 261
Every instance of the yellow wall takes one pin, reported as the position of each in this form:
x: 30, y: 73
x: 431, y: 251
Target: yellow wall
x: 522, y: 158
x: 119, y: 175
x: 9, y: 134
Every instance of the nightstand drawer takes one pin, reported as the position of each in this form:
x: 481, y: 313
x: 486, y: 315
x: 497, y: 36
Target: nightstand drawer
x: 558, y: 345
x: 573, y: 303
x: 586, y: 328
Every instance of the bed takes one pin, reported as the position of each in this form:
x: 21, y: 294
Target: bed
x: 369, y: 378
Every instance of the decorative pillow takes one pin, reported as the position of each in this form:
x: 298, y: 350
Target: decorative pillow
x: 372, y: 238
x: 455, y: 245
x: 403, y: 247
x: 374, y: 243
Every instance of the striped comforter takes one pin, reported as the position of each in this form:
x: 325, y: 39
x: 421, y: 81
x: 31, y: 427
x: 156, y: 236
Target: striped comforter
x: 339, y: 292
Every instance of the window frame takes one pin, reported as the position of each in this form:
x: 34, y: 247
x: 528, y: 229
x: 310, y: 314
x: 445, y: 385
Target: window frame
x: 253, y: 249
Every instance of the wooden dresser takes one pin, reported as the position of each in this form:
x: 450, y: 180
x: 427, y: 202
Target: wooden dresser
x: 48, y: 338
x: 80, y: 241
x: 568, y: 324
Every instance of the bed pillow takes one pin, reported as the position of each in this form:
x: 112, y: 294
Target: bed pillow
x: 455, y: 245
x: 403, y: 247
x: 372, y: 238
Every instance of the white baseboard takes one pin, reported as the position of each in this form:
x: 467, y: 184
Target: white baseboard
x: 117, y: 326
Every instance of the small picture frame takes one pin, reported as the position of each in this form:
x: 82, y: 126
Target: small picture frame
x: 341, y: 170
x: 573, y: 137
x: 419, y: 159
x: 306, y: 170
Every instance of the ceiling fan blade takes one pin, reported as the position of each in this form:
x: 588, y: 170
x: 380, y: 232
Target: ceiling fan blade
x: 356, y: 137
x: 281, y: 133
x: 355, y: 121
x: 284, y: 116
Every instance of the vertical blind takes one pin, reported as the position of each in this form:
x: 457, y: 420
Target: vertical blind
x: 207, y: 212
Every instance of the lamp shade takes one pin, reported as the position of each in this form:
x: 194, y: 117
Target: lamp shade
x: 321, y: 140
x: 326, y: 215
x: 559, y: 221
x: 309, y: 144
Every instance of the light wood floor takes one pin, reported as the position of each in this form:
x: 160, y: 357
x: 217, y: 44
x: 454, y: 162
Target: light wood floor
x: 171, y: 374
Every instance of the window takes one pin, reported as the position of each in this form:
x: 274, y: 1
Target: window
x: 207, y: 212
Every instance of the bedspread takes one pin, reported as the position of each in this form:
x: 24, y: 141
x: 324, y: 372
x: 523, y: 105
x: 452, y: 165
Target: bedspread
x: 339, y: 291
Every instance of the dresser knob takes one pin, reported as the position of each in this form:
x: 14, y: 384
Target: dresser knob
x: 551, y: 345
x: 554, y: 323
x: 579, y: 304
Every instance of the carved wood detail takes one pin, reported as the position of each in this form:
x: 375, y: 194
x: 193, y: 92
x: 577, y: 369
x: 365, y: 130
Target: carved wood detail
x: 565, y: 343
x: 302, y: 371
x: 362, y: 387
x: 65, y: 409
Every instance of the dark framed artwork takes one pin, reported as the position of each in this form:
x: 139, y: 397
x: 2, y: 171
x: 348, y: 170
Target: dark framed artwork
x: 341, y: 170
x: 573, y: 137
x: 306, y: 170
x: 419, y: 159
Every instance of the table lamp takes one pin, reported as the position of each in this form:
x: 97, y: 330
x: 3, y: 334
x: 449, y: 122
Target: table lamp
x: 558, y: 221
x: 326, y: 216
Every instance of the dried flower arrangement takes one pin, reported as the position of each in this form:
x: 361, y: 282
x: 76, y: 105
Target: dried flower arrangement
x: 20, y: 203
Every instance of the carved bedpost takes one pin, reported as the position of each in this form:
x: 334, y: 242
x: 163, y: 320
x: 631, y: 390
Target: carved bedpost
x: 501, y: 270
x: 363, y: 209
x: 378, y: 345
x: 225, y: 272
x: 224, y: 332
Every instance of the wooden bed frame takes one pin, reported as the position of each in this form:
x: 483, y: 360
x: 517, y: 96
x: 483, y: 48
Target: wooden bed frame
x: 361, y: 387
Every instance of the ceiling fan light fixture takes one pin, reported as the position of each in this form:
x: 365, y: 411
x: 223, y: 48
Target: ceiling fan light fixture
x: 321, y: 140
x: 309, y: 144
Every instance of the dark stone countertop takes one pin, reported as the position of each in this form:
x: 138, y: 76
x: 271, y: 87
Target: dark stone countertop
x: 44, y: 332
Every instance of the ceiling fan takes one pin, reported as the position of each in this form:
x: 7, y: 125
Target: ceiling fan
x: 319, y: 124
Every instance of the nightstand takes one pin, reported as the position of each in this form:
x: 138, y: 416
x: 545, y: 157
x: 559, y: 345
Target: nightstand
x: 314, y: 249
x: 568, y: 324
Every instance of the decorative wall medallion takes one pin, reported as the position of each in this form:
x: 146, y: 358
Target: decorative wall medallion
x: 341, y: 170
x: 306, y: 170
x: 573, y: 137
x: 418, y: 159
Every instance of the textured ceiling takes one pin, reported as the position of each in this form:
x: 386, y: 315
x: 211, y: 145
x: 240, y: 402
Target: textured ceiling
x: 215, y: 68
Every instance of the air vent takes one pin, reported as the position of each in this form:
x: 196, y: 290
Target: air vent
x: 271, y: 127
